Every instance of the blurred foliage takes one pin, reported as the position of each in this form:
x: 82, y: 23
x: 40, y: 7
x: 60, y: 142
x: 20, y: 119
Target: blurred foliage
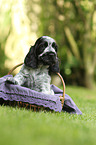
x: 71, y: 23
x: 17, y: 35
x: 5, y: 24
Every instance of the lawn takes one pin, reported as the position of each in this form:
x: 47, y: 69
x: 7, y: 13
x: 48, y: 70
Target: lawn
x: 24, y: 127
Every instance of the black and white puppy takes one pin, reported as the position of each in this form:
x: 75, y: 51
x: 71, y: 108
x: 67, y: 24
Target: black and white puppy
x: 40, y: 60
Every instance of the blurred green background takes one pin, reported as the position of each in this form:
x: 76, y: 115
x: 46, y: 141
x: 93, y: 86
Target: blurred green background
x: 71, y: 23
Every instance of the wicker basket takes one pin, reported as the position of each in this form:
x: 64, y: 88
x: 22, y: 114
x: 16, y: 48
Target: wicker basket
x: 31, y: 106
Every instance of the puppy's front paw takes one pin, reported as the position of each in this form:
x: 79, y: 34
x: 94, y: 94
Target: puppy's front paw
x: 11, y: 81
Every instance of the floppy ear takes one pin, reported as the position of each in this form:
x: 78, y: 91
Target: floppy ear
x: 55, y: 67
x: 30, y: 59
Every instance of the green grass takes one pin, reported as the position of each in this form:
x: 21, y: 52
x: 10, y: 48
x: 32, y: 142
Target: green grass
x: 24, y: 127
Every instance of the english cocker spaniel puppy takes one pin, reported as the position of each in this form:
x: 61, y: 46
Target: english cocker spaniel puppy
x: 39, y: 62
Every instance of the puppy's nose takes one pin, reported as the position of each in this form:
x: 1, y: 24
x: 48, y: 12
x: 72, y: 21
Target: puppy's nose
x: 51, y: 54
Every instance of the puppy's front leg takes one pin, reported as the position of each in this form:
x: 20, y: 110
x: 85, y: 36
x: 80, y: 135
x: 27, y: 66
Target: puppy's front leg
x: 11, y: 80
x: 19, y: 79
x: 50, y: 92
x: 47, y: 89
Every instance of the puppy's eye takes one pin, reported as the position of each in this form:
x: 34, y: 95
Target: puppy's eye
x: 45, y: 44
x: 42, y: 46
x: 54, y: 46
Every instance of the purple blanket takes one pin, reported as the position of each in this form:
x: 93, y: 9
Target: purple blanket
x: 18, y: 93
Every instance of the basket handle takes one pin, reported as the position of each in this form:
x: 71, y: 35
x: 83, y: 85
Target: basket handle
x: 61, y: 97
x: 15, y: 68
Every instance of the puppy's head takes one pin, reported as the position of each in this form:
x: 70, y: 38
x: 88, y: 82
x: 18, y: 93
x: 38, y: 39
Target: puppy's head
x: 43, y: 52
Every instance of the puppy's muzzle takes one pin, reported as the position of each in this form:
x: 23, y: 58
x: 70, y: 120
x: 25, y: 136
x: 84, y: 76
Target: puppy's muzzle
x: 48, y: 58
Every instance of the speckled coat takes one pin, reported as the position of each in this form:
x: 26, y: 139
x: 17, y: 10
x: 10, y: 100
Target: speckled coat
x: 35, y: 79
